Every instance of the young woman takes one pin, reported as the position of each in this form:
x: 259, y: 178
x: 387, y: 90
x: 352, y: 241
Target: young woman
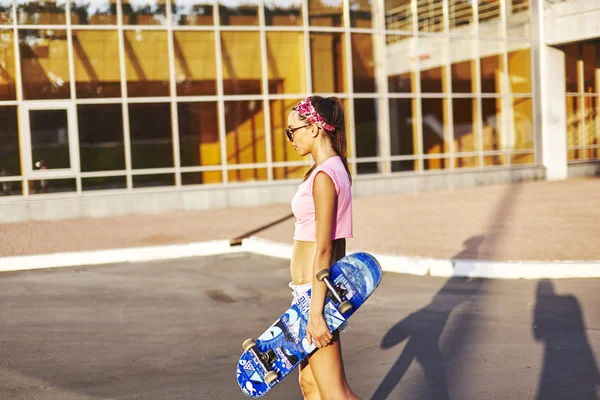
x: 323, y: 210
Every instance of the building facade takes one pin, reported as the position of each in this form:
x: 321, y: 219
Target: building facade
x: 121, y: 106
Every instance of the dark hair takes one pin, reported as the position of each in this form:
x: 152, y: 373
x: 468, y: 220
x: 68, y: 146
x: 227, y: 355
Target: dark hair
x: 331, y: 110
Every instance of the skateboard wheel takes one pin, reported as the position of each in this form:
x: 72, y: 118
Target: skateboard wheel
x: 345, y: 307
x: 248, y: 344
x: 322, y: 274
x: 270, y: 377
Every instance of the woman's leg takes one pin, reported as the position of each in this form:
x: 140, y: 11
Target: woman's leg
x: 325, y: 371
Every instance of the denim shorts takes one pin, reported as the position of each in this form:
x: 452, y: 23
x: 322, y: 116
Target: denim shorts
x: 299, y: 290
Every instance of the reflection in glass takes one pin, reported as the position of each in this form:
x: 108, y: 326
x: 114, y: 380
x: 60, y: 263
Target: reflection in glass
x: 282, y: 13
x: 519, y: 70
x: 493, y: 128
x: 574, y: 125
x: 405, y: 165
x: 492, y: 66
x: 326, y: 12
x: 97, y: 72
x: 238, y: 12
x: 285, y: 52
x: 247, y: 175
x: 146, y: 63
x: 195, y: 63
x: 466, y: 162
x: 464, y: 116
x: 461, y: 16
x: 42, y: 186
x: 153, y: 180
x: 463, y: 56
x: 199, y: 136
x: 10, y: 158
x: 245, y: 132
x: 366, y: 138
x: 432, y: 60
x: 328, y: 67
x: 150, y: 132
x: 49, y: 139
x: 192, y: 12
x: 44, y: 64
x: 97, y: 12
x: 241, y: 62
x: 281, y: 148
x: 494, y: 160
x: 7, y: 66
x: 399, y: 67
x: 201, y: 178
x: 101, y: 145
x: 436, y: 163
x: 521, y: 124
x: 144, y: 12
x: 591, y: 121
x: 517, y: 18
x: 6, y: 12
x: 42, y: 12
x: 431, y: 15
x: 434, y: 125
x: 361, y: 13
x: 104, y: 183
x: 403, y: 131
x: 489, y: 18
x: 398, y: 15
x: 363, y: 63
x: 572, y: 56
x: 591, y: 64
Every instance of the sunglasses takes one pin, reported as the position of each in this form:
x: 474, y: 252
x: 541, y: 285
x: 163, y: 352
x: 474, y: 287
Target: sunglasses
x: 289, y: 131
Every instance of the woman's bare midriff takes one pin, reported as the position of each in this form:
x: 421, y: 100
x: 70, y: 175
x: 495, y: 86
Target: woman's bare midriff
x: 303, y: 255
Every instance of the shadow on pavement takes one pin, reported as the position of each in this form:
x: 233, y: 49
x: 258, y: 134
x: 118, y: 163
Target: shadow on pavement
x: 569, y: 370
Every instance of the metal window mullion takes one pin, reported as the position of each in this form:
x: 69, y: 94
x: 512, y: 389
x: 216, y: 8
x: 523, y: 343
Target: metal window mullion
x: 173, y: 95
x: 24, y: 144
x: 350, y: 83
x: 581, y: 97
x: 535, y: 46
x: 307, y: 53
x: 478, y: 84
x: 221, y: 101
x: 72, y: 120
x: 125, y: 104
x: 449, y: 131
x: 383, y: 126
x: 265, y: 90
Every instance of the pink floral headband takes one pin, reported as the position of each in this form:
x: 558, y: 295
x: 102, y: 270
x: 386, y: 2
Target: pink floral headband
x: 306, y: 110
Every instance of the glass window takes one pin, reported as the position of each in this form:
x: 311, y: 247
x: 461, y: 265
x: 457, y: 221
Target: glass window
x: 572, y: 57
x: 363, y: 63
x: 10, y: 157
x: 398, y: 15
x: 49, y: 139
x: 144, y: 12
x: 431, y: 15
x: 42, y: 186
x: 591, y: 65
x: 101, y: 145
x: 404, y: 132
x: 238, y: 12
x: 200, y: 178
x: 33, y: 12
x: 199, y: 134
x: 519, y: 70
x: 241, y: 53
x: 141, y: 181
x: 281, y: 13
x: 463, y: 53
x: 281, y: 148
x: 591, y: 121
x: 490, y: 22
x: 361, y: 13
x: 44, y: 64
x: 192, y: 12
x: 434, y: 126
x: 195, y: 63
x: 432, y: 60
x: 245, y: 132
x: 286, y: 67
x: 289, y: 172
x: 146, y: 63
x: 461, y: 16
x: 521, y: 129
x: 150, y: 132
x: 7, y: 66
x: 104, y: 183
x: 492, y: 66
x: 400, y: 68
x: 97, y: 70
x: 464, y: 117
x: 247, y: 175
x: 98, y: 12
x: 493, y: 128
x: 326, y: 12
x: 328, y: 66
x: 366, y: 138
x: 517, y: 18
x: 6, y: 12
x: 574, y: 121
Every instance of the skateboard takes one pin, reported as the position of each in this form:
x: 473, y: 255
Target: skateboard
x: 267, y: 360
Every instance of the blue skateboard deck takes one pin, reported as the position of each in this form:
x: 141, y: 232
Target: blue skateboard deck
x: 283, y: 345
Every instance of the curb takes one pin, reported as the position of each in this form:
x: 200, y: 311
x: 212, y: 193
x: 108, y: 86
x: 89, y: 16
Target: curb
x: 390, y: 263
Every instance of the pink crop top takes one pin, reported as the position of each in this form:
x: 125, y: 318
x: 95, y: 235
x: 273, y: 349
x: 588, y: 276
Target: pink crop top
x: 303, y: 205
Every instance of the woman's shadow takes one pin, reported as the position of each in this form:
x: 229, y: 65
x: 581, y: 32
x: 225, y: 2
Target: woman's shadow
x: 423, y: 330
